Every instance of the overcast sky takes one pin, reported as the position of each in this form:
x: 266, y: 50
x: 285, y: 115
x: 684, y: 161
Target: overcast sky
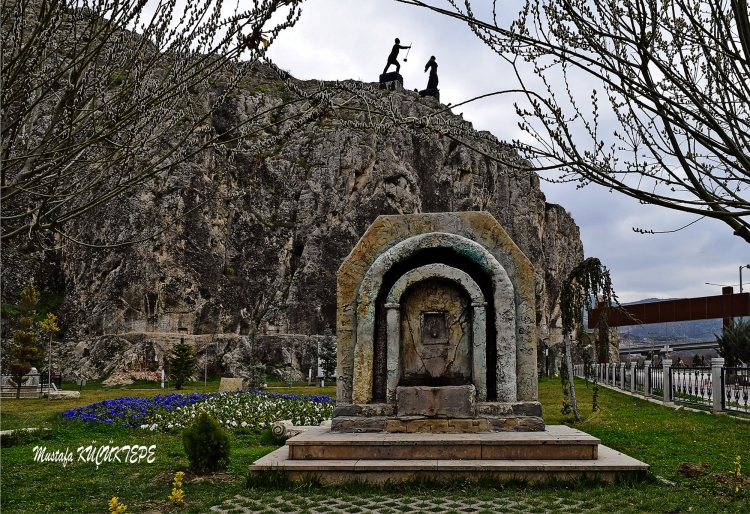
x: 351, y: 39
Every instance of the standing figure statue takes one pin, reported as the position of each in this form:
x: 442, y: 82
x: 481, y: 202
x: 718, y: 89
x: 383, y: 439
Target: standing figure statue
x: 432, y: 82
x: 393, y: 58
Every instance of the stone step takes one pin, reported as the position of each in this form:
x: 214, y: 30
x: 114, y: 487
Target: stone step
x: 610, y: 466
x: 555, y: 443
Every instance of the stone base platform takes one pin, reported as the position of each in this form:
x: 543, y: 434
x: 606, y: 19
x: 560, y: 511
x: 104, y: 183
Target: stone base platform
x: 437, y: 426
x: 559, y: 453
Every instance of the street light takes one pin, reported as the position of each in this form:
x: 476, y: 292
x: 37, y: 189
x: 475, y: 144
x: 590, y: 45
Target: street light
x: 745, y: 266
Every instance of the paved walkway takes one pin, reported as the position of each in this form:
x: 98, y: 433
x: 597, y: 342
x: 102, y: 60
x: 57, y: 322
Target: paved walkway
x: 292, y: 503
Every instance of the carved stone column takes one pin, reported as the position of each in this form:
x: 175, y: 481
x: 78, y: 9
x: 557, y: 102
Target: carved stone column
x: 479, y: 347
x: 393, y: 342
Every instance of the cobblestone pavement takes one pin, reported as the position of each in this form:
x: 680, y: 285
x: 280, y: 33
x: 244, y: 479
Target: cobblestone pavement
x: 292, y: 503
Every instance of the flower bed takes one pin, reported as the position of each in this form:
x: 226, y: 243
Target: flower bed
x: 251, y: 410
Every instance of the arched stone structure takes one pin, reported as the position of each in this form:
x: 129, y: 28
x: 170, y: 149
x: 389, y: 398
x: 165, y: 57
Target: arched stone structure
x: 478, y: 321
x: 505, y: 319
x: 398, y: 247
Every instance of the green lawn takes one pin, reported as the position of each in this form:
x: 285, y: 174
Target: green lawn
x: 659, y: 436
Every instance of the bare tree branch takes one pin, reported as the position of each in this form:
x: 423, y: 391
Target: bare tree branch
x: 95, y: 100
x: 676, y: 77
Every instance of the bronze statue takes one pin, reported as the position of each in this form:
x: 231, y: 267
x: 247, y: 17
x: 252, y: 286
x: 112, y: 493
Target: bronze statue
x: 432, y: 82
x: 393, y: 57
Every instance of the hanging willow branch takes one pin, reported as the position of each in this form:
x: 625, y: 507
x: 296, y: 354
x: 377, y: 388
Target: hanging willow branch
x: 588, y: 281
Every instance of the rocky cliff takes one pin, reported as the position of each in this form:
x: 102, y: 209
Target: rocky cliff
x: 251, y: 240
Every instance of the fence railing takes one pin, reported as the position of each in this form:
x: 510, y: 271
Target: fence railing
x: 736, y: 382
x: 656, y: 381
x: 640, y: 379
x: 716, y: 387
x: 693, y: 386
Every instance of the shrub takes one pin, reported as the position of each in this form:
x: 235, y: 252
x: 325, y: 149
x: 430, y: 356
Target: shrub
x: 328, y: 354
x: 257, y: 376
x: 206, y: 445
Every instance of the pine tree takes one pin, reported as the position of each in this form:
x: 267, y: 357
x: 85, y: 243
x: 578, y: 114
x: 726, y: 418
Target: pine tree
x: 734, y: 342
x: 182, y: 363
x: 25, y: 351
x: 328, y: 354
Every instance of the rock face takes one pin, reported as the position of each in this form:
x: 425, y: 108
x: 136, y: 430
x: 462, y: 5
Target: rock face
x: 252, y: 241
x: 139, y: 356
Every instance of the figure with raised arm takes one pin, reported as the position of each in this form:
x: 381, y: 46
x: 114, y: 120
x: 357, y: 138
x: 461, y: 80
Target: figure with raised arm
x: 393, y: 57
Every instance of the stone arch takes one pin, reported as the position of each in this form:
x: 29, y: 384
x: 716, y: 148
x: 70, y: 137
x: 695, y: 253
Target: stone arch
x: 503, y: 292
x: 435, y: 271
x: 479, y: 320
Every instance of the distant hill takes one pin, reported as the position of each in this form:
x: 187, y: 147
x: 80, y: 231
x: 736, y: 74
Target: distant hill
x: 700, y: 330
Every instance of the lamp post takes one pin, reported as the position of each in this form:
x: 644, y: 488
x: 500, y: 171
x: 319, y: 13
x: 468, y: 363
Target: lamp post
x: 745, y: 266
x: 49, y: 368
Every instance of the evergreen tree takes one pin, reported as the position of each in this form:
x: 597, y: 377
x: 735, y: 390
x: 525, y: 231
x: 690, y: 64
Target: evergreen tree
x: 206, y: 444
x: 328, y: 354
x: 25, y: 351
x: 734, y: 342
x: 182, y: 363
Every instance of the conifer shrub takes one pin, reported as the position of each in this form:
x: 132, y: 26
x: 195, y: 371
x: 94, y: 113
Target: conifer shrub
x: 257, y: 377
x: 206, y: 444
x: 328, y: 354
x: 182, y: 363
x: 25, y: 353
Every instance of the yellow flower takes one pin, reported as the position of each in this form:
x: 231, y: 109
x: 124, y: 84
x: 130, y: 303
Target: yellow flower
x: 178, y: 495
x: 737, y: 471
x: 115, y: 507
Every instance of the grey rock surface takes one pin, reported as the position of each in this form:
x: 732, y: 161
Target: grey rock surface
x: 252, y: 241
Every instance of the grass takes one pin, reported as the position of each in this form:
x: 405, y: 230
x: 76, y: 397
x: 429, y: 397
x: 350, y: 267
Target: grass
x: 35, y: 487
x: 662, y: 437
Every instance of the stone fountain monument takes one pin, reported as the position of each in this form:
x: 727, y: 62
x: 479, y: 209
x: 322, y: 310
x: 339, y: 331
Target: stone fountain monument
x: 436, y: 373
x: 436, y: 328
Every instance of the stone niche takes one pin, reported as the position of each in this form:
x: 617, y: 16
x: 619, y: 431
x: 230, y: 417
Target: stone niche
x: 436, y: 329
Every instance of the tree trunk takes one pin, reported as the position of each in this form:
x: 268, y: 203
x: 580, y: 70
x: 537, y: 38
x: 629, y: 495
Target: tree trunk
x: 569, y: 363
